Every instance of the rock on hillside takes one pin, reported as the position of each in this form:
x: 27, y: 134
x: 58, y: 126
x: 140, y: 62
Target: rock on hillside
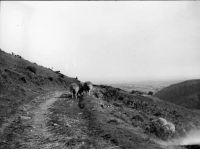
x: 186, y: 94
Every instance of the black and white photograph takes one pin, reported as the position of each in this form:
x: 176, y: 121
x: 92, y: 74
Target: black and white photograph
x: 100, y: 74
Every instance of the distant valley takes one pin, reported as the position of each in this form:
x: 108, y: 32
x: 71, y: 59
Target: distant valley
x: 145, y: 86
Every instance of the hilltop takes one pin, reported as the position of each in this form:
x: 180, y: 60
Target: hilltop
x: 186, y: 94
x: 38, y: 112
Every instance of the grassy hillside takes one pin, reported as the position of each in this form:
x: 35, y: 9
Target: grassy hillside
x: 108, y: 118
x: 113, y: 118
x: 21, y: 81
x: 186, y: 94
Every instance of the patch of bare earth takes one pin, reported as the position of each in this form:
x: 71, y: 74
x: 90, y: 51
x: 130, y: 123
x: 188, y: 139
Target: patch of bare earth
x: 28, y: 129
x: 39, y: 136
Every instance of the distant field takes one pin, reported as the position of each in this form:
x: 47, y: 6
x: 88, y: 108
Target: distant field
x: 145, y: 86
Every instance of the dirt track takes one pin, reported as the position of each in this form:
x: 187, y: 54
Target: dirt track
x: 49, y: 122
x: 39, y: 132
x: 28, y: 129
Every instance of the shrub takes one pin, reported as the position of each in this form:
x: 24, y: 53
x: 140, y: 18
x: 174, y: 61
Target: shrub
x: 138, y: 118
x: 50, y: 78
x: 57, y: 71
x: 121, y: 98
x: 136, y: 92
x: 162, y: 128
x: 23, y: 79
x: 61, y: 75
x: 133, y: 92
x: 150, y: 93
x: 31, y: 68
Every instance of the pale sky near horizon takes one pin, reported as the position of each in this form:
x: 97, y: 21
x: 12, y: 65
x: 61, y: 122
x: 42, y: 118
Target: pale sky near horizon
x: 106, y: 41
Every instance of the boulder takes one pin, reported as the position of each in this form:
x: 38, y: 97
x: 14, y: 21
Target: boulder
x: 162, y: 128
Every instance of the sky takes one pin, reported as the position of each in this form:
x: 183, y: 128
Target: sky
x: 112, y: 41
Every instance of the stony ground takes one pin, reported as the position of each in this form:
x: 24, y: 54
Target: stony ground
x: 49, y: 122
x: 27, y: 128
x: 55, y: 121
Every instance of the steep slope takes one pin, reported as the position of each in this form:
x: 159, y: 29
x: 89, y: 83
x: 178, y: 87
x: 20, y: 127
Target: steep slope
x: 37, y: 111
x: 21, y: 81
x: 113, y: 118
x: 186, y: 94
